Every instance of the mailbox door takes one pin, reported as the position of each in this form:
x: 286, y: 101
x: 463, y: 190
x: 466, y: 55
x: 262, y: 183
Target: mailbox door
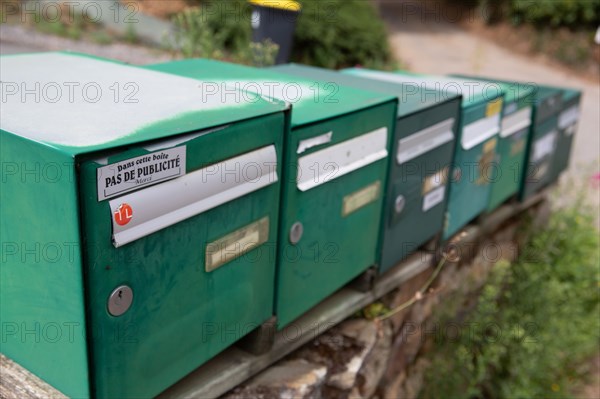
x: 421, y: 159
x: 475, y: 152
x: 568, y: 120
x: 512, y: 146
x: 540, y: 157
x: 331, y: 209
x: 188, y: 260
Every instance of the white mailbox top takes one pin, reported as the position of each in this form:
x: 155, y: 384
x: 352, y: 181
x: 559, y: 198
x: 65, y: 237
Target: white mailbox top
x: 82, y: 103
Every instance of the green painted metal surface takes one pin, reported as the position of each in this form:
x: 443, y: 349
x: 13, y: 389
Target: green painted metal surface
x: 541, y: 148
x: 517, y: 119
x: 476, y: 142
x: 41, y: 286
x: 338, y: 208
x: 196, y: 287
x: 418, y: 168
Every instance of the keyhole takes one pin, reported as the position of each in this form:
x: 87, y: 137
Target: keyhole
x: 120, y: 300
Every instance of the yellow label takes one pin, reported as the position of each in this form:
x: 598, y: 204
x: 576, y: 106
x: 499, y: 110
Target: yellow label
x: 288, y: 5
x: 490, y: 145
x: 237, y: 243
x: 436, y: 180
x: 494, y: 107
x: 360, y: 198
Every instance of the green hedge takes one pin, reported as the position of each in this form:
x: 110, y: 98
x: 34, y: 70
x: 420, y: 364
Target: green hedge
x: 571, y: 13
x: 340, y: 33
x: 575, y: 14
x: 535, y: 323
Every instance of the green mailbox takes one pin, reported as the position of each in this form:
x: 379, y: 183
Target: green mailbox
x: 136, y: 222
x: 541, y: 148
x: 421, y: 156
x: 567, y: 127
x: 512, y: 143
x: 336, y: 157
x: 475, y: 150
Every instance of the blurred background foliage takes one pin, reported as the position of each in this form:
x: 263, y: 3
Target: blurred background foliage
x: 332, y: 33
x: 536, y: 321
x: 574, y: 14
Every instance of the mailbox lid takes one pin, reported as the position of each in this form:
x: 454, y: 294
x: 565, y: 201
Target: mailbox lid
x: 410, y: 99
x: 204, y: 279
x: 312, y: 100
x: 447, y: 86
x: 88, y: 104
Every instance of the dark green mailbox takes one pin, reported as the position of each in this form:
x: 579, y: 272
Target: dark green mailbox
x: 421, y: 156
x: 336, y: 157
x: 137, y: 217
x: 475, y: 150
x: 568, y: 120
x: 512, y: 143
x: 541, y: 148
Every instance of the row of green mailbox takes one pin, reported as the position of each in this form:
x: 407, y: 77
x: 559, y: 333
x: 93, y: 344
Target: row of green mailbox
x: 153, y: 216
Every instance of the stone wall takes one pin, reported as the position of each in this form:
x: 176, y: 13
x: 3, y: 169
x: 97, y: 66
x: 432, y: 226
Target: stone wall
x: 362, y: 358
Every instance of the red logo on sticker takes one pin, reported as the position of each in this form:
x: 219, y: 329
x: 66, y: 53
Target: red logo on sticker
x: 123, y: 214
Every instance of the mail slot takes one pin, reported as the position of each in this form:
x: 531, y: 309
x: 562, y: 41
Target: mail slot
x: 542, y: 146
x: 336, y: 157
x: 420, y: 159
x: 139, y: 227
x: 477, y: 139
x: 568, y: 121
x: 512, y: 143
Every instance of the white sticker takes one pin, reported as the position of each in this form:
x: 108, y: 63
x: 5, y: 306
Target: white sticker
x: 130, y: 174
x: 544, y: 146
x: 435, y: 197
x: 306, y: 144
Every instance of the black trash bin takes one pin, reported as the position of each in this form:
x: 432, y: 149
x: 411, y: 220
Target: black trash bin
x: 275, y: 20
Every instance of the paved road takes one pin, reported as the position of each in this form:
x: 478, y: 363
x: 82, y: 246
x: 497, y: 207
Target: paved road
x: 428, y: 43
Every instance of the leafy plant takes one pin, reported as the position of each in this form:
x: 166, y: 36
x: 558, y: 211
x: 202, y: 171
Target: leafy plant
x: 131, y: 35
x: 576, y: 14
x: 195, y: 37
x: 535, y: 321
x: 101, y: 37
x: 340, y: 33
